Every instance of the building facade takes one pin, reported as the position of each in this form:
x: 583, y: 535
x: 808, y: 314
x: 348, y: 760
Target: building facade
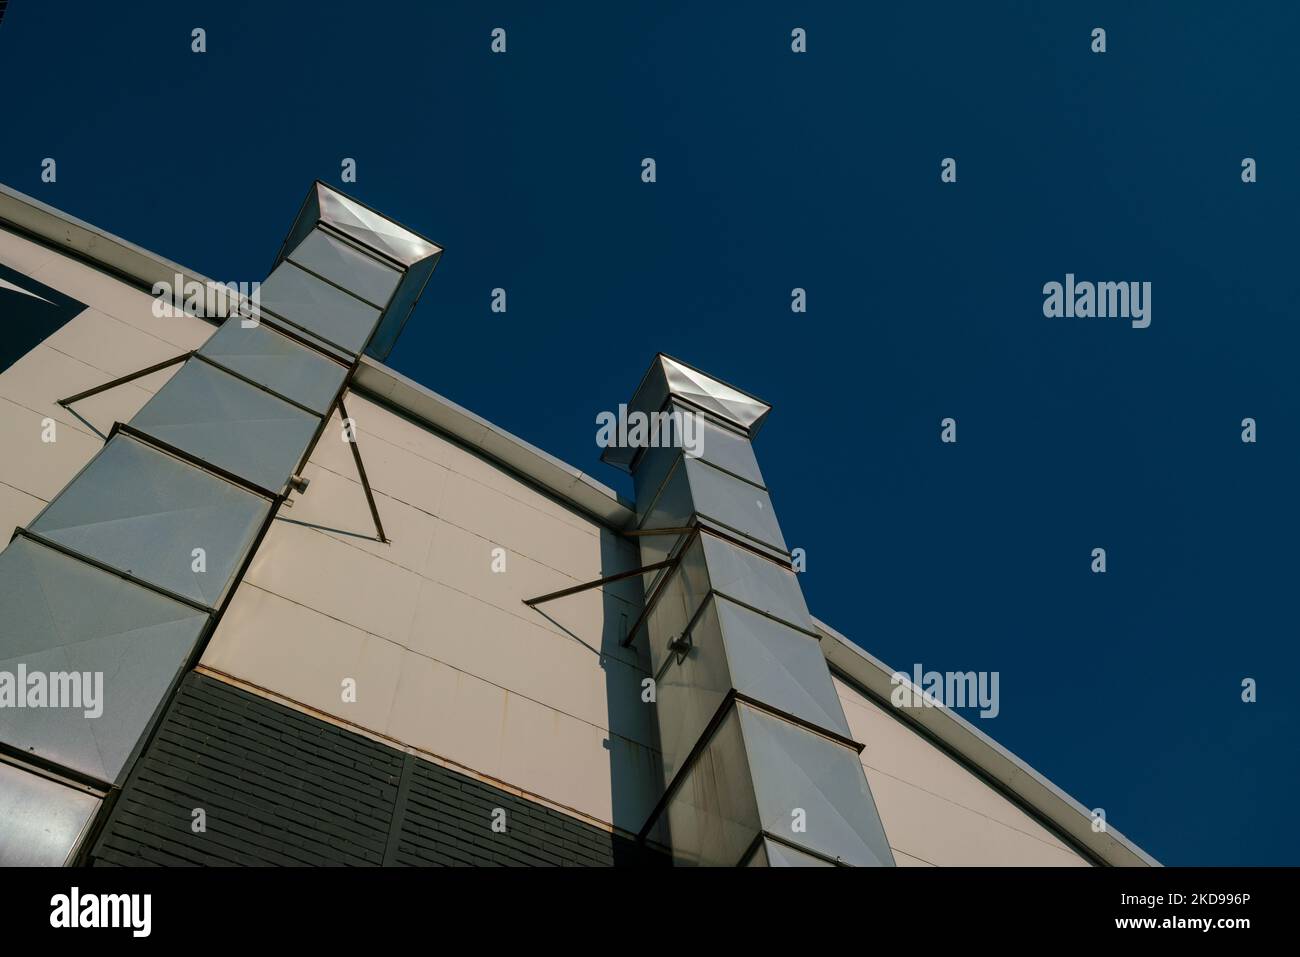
x: 269, y: 602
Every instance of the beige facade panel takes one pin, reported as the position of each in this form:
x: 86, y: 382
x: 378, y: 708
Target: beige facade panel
x: 420, y: 468
x: 424, y: 703
x: 345, y: 583
x: 897, y: 750
x: 560, y: 479
x: 34, y: 466
x: 432, y: 629
x: 336, y: 505
x: 23, y: 254
x: 936, y: 810
x: 935, y: 830
x: 16, y: 510
x: 117, y: 348
x: 43, y: 376
x: 907, y: 860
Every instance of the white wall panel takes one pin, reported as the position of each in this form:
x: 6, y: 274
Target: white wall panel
x: 102, y: 292
x: 115, y: 347
x: 16, y: 510
x: 338, y: 580
x: 907, y: 860
x: 392, y: 470
x: 44, y: 375
x: 400, y: 431
x: 545, y: 702
x: 35, y: 467
x: 521, y: 528
x: 336, y: 506
x: 23, y: 254
x: 428, y: 704
x: 556, y: 669
x: 948, y: 835
x: 936, y: 810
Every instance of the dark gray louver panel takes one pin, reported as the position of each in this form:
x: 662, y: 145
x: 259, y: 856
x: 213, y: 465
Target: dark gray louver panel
x: 279, y: 787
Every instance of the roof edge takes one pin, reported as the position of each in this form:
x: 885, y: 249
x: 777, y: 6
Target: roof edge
x: 1029, y: 788
x: 121, y: 259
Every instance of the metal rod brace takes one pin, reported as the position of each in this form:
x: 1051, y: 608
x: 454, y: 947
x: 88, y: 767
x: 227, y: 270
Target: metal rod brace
x: 563, y: 592
x: 361, y: 471
x: 124, y: 379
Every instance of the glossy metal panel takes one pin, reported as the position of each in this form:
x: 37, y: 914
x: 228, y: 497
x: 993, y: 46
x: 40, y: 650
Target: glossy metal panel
x: 144, y: 512
x: 733, y: 647
x: 371, y: 229
x: 704, y: 439
x: 794, y: 770
x: 315, y: 305
x: 40, y: 820
x: 656, y: 548
x: 753, y: 635
x: 712, y: 818
x: 728, y: 450
x: 668, y: 377
x: 229, y: 423
x: 400, y: 307
x: 277, y: 362
x: 758, y: 582
x: 690, y: 690
x: 713, y: 395
x: 395, y: 245
x: 346, y: 266
x: 672, y: 506
x: 62, y: 615
x: 680, y: 598
x: 648, y: 478
x: 739, y: 506
x: 779, y: 666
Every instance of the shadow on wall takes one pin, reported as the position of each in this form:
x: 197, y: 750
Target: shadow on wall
x: 635, y: 771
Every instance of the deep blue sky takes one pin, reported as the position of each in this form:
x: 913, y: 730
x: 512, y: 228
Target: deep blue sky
x: 821, y: 171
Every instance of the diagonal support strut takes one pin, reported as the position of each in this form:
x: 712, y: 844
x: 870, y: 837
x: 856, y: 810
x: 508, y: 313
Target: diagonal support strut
x: 124, y: 379
x: 585, y: 586
x: 361, y: 471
